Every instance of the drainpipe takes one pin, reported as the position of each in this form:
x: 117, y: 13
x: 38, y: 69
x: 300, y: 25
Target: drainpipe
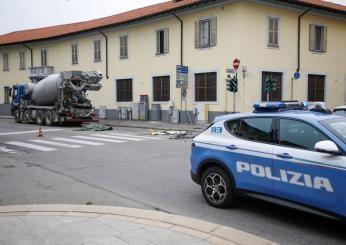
x: 181, y: 38
x: 182, y: 62
x: 106, y: 38
x: 299, y: 24
x: 31, y: 56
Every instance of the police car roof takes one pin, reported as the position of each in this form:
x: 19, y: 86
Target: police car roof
x: 298, y: 114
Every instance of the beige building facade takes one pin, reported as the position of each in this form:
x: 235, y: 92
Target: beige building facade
x: 140, y: 57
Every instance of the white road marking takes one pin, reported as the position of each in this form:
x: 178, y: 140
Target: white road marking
x: 136, y: 136
x: 117, y: 137
x: 29, y: 132
x: 83, y: 142
x: 98, y: 139
x: 55, y: 143
x: 6, y: 150
x: 30, y: 146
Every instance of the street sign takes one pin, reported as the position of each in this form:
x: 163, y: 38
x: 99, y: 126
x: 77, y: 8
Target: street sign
x: 182, y: 76
x: 183, y: 92
x: 296, y: 75
x: 230, y: 70
x: 236, y: 64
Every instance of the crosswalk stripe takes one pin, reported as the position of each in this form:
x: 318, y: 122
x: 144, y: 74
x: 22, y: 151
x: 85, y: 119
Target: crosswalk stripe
x: 28, y: 132
x: 136, y: 136
x: 83, y: 142
x: 30, y: 146
x: 55, y: 143
x: 98, y: 139
x: 117, y: 137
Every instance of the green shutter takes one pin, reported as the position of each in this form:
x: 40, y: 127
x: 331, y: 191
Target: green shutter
x: 166, y: 40
x: 197, y: 41
x: 312, y: 38
x: 213, y: 31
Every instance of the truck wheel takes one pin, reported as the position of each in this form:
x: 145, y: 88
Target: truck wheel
x: 27, y: 116
x: 218, y: 188
x: 17, y: 118
x: 49, y: 118
x: 40, y: 118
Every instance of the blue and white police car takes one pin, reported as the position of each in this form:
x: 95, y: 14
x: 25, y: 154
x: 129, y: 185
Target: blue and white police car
x: 281, y: 152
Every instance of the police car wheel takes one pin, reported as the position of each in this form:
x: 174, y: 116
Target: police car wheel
x: 218, y: 188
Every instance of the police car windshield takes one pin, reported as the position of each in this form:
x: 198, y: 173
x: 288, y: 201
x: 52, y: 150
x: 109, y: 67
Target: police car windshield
x: 337, y: 126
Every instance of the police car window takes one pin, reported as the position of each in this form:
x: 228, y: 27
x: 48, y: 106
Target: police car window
x: 298, y: 134
x: 337, y: 126
x: 233, y: 126
x: 257, y: 129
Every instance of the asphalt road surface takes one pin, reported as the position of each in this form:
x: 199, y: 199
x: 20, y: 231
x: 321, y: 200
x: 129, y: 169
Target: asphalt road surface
x: 125, y: 167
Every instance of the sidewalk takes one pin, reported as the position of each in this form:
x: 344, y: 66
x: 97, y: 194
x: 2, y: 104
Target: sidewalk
x: 158, y: 125
x: 153, y: 125
x: 76, y: 224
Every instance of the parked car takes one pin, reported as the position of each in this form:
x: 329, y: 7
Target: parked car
x: 340, y: 110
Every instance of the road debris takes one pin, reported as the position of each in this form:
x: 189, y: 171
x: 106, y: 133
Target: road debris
x: 95, y: 127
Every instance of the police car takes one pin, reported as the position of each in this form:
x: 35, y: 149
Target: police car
x: 281, y: 152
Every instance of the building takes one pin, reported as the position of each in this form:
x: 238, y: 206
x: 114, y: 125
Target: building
x: 138, y: 52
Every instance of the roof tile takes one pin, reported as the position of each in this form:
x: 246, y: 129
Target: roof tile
x: 62, y: 30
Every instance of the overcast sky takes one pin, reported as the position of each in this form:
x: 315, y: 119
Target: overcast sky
x: 25, y: 14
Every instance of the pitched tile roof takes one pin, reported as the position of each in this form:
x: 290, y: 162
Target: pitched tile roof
x: 133, y: 15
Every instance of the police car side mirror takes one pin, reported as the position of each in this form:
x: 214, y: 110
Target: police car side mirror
x: 327, y: 146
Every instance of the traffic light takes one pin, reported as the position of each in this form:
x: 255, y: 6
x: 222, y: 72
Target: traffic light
x: 231, y: 84
x: 270, y: 85
x: 228, y: 83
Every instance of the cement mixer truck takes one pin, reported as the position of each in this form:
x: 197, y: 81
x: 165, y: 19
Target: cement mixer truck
x: 56, y: 99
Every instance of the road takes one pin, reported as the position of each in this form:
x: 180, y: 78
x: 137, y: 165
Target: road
x: 139, y: 172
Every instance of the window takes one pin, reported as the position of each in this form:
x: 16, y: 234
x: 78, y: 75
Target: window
x: 233, y: 127
x: 74, y: 52
x: 273, y: 31
x: 123, y: 47
x: 162, y: 41
x: 299, y: 134
x: 276, y: 94
x: 337, y: 126
x: 161, y: 89
x: 318, y: 38
x: 97, y: 50
x: 43, y: 57
x: 256, y: 129
x: 124, y: 90
x: 206, y: 32
x: 5, y: 62
x: 205, y: 87
x: 6, y: 93
x: 316, y: 87
x: 22, y: 60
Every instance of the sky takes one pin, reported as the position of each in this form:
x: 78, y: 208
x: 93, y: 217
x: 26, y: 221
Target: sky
x: 18, y: 15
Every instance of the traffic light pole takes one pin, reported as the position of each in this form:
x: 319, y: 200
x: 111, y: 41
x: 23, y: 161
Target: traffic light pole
x: 234, y: 100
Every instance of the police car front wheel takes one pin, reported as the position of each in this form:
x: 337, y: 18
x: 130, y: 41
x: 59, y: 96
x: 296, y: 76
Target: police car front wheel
x: 217, y: 188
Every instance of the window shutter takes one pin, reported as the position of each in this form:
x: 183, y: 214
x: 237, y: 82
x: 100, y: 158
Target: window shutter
x: 213, y: 31
x: 325, y: 39
x: 312, y: 37
x: 158, y: 42
x: 166, y: 40
x: 276, y: 31
x: 197, y: 42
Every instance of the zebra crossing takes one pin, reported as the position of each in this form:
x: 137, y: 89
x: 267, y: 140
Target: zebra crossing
x: 78, y: 141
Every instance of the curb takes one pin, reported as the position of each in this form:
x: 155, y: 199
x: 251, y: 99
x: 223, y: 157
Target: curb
x: 213, y: 233
x: 6, y: 117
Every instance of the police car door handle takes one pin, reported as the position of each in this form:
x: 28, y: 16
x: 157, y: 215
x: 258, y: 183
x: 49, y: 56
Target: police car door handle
x: 231, y: 147
x: 284, y: 155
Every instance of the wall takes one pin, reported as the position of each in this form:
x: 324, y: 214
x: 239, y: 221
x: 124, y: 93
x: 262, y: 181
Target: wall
x: 241, y: 33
